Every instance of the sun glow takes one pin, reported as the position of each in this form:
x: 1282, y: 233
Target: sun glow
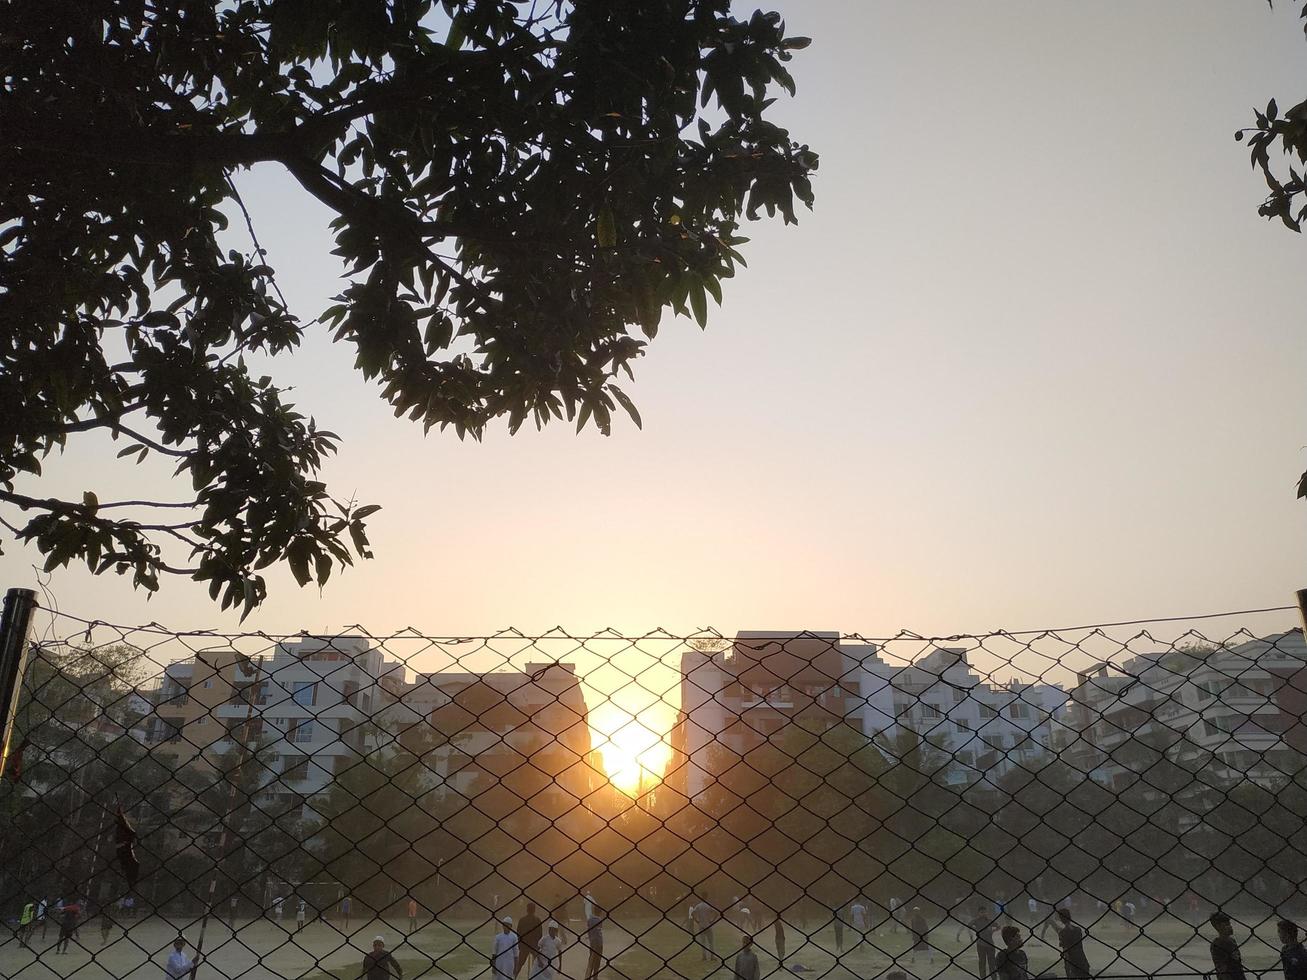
x: 635, y: 755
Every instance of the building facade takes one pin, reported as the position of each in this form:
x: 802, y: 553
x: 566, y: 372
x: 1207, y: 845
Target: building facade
x: 735, y: 697
x: 740, y: 694
x: 987, y: 728
x: 320, y: 704
x: 1235, y: 711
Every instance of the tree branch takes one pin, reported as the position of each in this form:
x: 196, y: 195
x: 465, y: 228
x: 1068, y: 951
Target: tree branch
x: 56, y: 506
x: 85, y: 425
x: 157, y: 447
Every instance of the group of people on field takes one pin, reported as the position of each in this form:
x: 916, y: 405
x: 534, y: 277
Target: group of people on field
x: 67, y: 918
x: 537, y: 945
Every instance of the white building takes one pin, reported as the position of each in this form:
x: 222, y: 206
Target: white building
x: 734, y: 697
x: 1235, y: 710
x: 988, y: 728
x: 310, y: 709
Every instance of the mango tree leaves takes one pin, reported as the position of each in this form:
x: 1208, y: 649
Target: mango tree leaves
x: 517, y: 195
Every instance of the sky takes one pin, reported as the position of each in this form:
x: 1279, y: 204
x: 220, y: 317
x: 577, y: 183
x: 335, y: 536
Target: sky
x: 1033, y: 361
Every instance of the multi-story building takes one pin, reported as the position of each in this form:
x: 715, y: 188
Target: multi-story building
x: 525, y: 731
x: 987, y: 728
x: 1234, y: 710
x: 319, y: 704
x: 736, y: 697
x: 183, y: 724
x: 307, y: 709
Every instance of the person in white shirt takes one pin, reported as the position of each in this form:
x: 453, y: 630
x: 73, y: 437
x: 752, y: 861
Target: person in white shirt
x: 503, y: 955
x: 858, y: 912
x: 301, y: 911
x: 179, y: 965
x: 278, y: 905
x: 549, y: 954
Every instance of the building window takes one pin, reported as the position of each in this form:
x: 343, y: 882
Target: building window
x: 295, y: 769
x: 963, y: 724
x: 301, y: 730
x: 1229, y: 723
x: 959, y: 695
x: 986, y: 712
x: 930, y: 711
x: 1018, y: 709
x: 305, y: 693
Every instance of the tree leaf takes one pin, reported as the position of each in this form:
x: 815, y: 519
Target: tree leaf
x: 627, y: 404
x: 699, y: 303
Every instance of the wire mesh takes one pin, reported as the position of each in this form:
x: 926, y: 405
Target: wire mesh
x: 1080, y: 802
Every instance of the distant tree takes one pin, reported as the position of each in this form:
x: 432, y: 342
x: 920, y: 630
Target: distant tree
x: 78, y: 719
x: 517, y: 193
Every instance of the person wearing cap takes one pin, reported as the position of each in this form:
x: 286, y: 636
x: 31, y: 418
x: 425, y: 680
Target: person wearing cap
x: 379, y: 964
x: 917, y: 926
x: 503, y: 954
x: 548, y: 954
x: 179, y: 965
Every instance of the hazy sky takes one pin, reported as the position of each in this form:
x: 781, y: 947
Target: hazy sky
x: 1034, y: 360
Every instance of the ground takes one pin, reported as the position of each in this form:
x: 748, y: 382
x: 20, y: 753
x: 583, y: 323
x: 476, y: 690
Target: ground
x: 261, y: 949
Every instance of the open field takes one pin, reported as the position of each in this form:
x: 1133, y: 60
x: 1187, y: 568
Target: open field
x: 651, y: 948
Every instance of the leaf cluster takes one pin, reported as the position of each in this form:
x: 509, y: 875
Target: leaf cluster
x: 516, y: 196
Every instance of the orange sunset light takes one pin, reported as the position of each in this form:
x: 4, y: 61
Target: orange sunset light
x: 635, y: 754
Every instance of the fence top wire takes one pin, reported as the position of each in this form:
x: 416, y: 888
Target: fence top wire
x: 612, y: 633
x: 859, y: 805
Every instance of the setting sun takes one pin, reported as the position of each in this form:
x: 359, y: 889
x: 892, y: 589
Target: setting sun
x: 635, y: 755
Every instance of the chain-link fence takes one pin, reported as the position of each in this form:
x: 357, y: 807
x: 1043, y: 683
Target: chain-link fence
x: 1075, y: 802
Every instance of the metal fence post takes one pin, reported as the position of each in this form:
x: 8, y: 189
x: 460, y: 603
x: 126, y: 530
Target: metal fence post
x: 15, y: 624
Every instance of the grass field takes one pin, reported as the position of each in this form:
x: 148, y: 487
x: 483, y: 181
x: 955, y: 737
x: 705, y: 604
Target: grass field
x: 637, y: 949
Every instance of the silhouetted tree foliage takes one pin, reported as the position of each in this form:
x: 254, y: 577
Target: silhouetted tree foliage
x: 517, y: 192
x: 1286, y: 184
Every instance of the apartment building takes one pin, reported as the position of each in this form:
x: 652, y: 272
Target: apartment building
x: 736, y: 697
x: 525, y: 731
x: 182, y: 725
x: 739, y: 694
x: 307, y: 708
x: 319, y: 704
x: 1235, y: 711
x: 987, y: 727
